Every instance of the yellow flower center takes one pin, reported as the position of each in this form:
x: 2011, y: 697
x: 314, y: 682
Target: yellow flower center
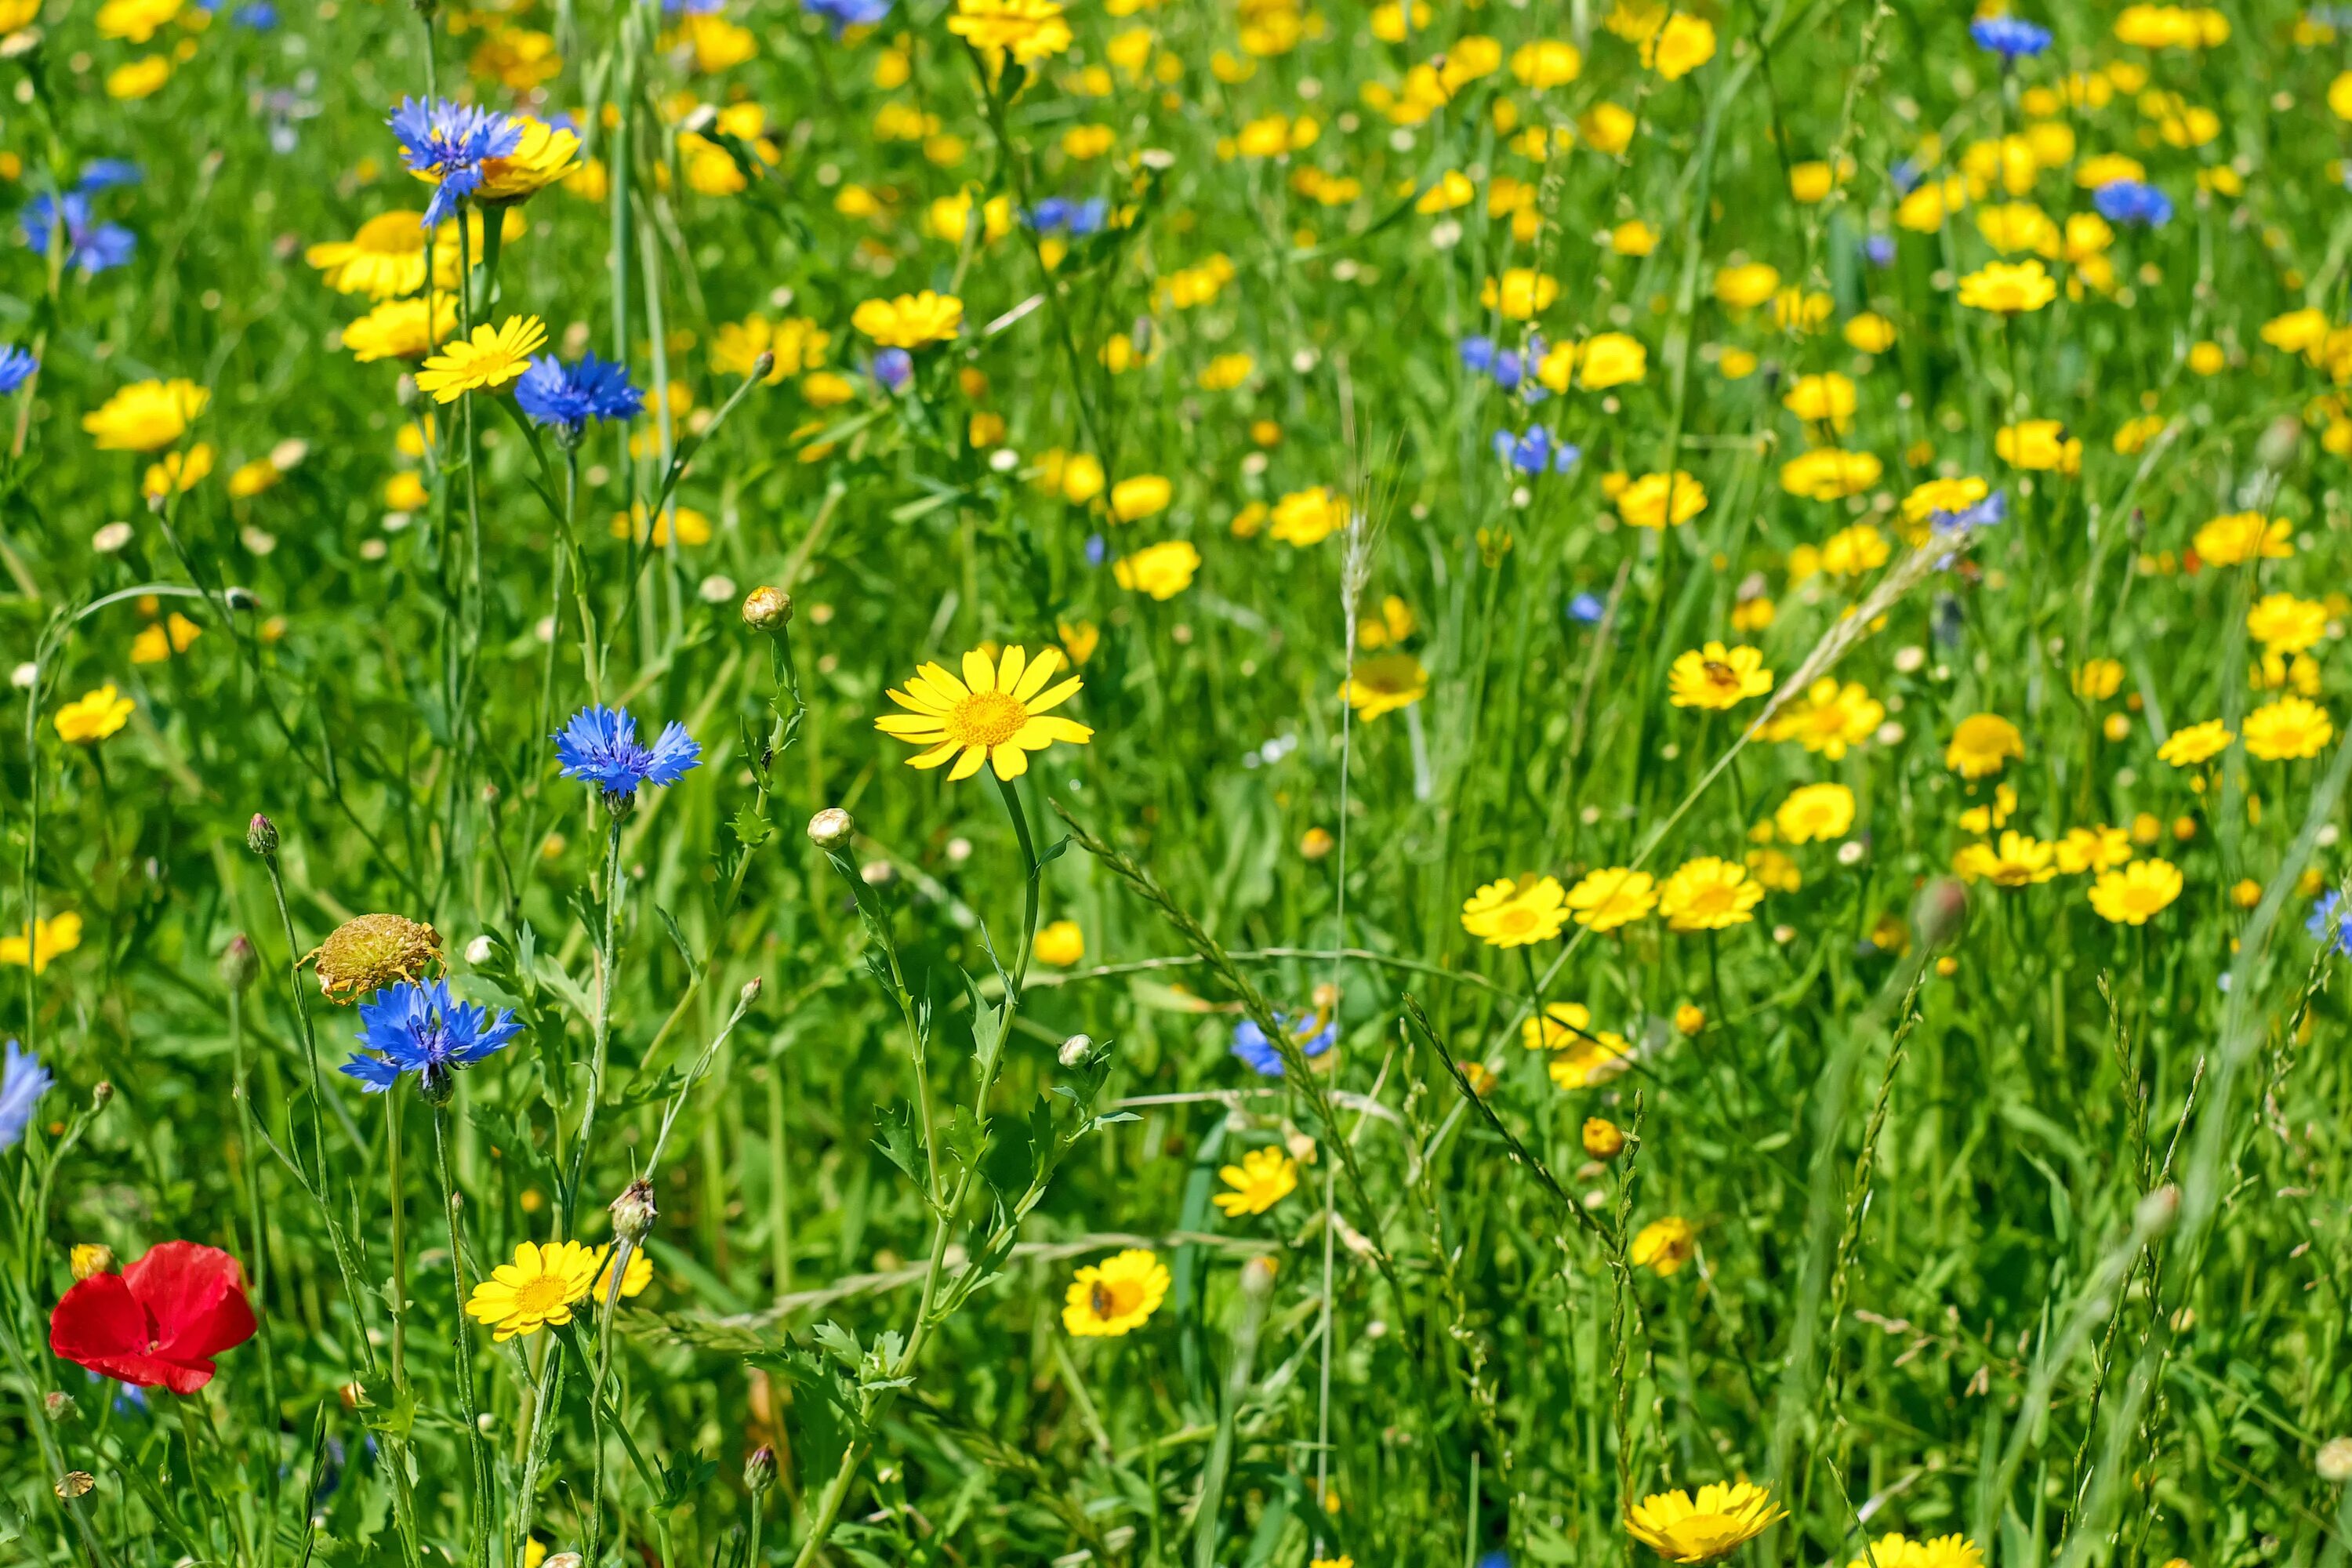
x: 541, y: 1297
x: 986, y: 718
x: 1516, y: 918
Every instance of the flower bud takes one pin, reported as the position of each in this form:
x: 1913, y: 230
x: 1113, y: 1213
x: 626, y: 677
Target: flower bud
x: 2335, y: 1461
x: 750, y: 993
x: 102, y: 1095
x: 90, y: 1258
x: 1604, y: 1139
x: 760, y: 1470
x: 239, y: 963
x: 2155, y: 1213
x: 767, y: 609
x: 831, y: 828
x: 2277, y: 447
x: 59, y: 1406
x: 1940, y: 912
x: 562, y: 1560
x: 620, y: 804
x: 261, y: 835
x: 1689, y: 1019
x: 633, y: 1212
x: 1075, y: 1049
x: 764, y: 366
x: 1257, y: 1277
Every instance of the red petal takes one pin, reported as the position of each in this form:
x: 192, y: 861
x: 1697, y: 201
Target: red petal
x: 98, y: 1320
x: 196, y: 1296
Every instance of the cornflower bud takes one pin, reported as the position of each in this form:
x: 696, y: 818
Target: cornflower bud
x: 239, y: 963
x: 633, y: 1212
x: 1939, y: 911
x: 261, y: 835
x: 760, y: 1470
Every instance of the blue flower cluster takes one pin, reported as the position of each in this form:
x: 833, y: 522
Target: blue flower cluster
x: 1513, y: 369
x: 448, y: 142
x: 2329, y: 925
x: 1060, y: 214
x: 1536, y: 452
x: 1313, y: 1035
x: 600, y: 746
x: 567, y: 396
x: 844, y: 13
x: 2133, y: 201
x: 2009, y: 37
x: 23, y: 1081
x: 16, y: 367
x: 91, y: 245
x: 422, y: 1030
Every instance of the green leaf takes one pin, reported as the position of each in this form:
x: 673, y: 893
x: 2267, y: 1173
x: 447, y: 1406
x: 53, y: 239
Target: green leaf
x: 751, y: 827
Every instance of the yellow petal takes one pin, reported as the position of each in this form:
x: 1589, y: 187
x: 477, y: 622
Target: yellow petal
x: 977, y: 673
x: 1040, y: 670
x: 1010, y: 760
x: 967, y: 764
x: 1055, y: 697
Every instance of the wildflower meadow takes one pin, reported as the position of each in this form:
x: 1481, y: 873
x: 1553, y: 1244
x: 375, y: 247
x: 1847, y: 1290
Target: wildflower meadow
x: 1175, y: 783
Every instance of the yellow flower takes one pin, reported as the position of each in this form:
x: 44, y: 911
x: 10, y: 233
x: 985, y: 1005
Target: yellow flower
x: 1308, y: 517
x: 543, y: 154
x: 1114, y: 1297
x: 397, y: 329
x: 142, y: 77
x: 1516, y: 913
x: 2018, y: 861
x: 718, y: 43
x: 1773, y: 871
x: 1032, y: 30
x: 1710, y: 893
x: 1829, y: 474
x: 798, y: 343
x: 1384, y: 683
x: 1745, y: 287
x: 135, y: 21
x: 1660, y: 501
x: 93, y: 716
x: 910, y: 321
x: 1060, y: 943
x: 1850, y: 552
x: 693, y: 527
x: 2092, y: 849
x: 1829, y: 718
x: 2196, y: 743
x: 2042, y: 444
x: 146, y: 416
x: 1664, y: 1245
x: 1869, y: 333
x: 159, y: 640
x: 1982, y: 744
x: 176, y: 473
x: 2284, y: 624
x: 60, y: 934
x: 539, y: 1287
x: 1826, y: 399
x: 1720, y: 1521
x: 1945, y: 1552
x: 1717, y: 678
x: 492, y: 357
x: 1133, y: 500
x: 2240, y: 537
x: 1546, y: 63
x: 1817, y: 811
x: 1519, y: 293
x: 2128, y: 897
x: 1226, y: 372
x: 2098, y: 679
x: 1680, y: 48
x: 1613, y: 896
x: 2009, y: 289
x: 1162, y: 570
x: 998, y: 713
x: 384, y: 259
x: 1951, y: 497
x: 2289, y: 728
x: 1263, y: 1179
x: 1584, y: 1063
x: 1560, y: 1025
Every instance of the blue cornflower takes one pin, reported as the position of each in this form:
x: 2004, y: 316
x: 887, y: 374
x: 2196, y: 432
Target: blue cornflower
x: 448, y: 142
x: 1312, y: 1033
x: 2009, y: 37
x: 894, y: 368
x: 1497, y: 1558
x: 2330, y: 926
x: 2133, y: 201
x: 1905, y: 176
x: 23, y: 1080
x: 600, y: 747
x: 1879, y: 250
x: 1992, y: 510
x: 1477, y: 354
x: 848, y: 13
x: 1060, y: 214
x: 260, y: 15
x: 1536, y: 452
x: 102, y: 173
x: 90, y: 246
x: 1586, y: 609
x: 16, y: 368
x: 568, y: 397
x: 425, y: 1030
x: 1098, y: 550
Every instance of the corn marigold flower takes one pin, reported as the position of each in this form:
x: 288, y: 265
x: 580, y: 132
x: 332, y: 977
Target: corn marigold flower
x: 797, y: 345
x: 1679, y: 47
x: 44, y: 942
x: 1662, y: 500
x: 1815, y: 812
x: 1828, y: 474
x: 1723, y: 1518
x: 1710, y: 893
x: 2097, y: 848
x: 1162, y: 570
x: 1613, y: 896
x: 1263, y: 1179
x: 2131, y: 895
x: 545, y: 1282
x: 2018, y: 860
x: 447, y: 145
x: 1560, y: 1025
x: 1829, y: 718
x: 23, y: 1081
x: 93, y: 716
x: 403, y: 329
x: 2009, y: 289
x: 600, y: 746
x: 541, y: 155
x: 492, y: 357
x: 1384, y: 683
x: 2284, y: 624
x: 160, y: 1321
x: 2042, y: 446
x: 1306, y: 516
x: 1716, y: 676
x: 385, y: 258
x: 2244, y: 536
x: 1516, y: 913
x: 369, y: 952
x: 910, y: 321
x: 146, y: 416
x: 1030, y: 30
x: 1586, y: 1063
x: 998, y: 713
x: 1982, y: 744
x: 1116, y: 1295
x: 1060, y: 943
x: 1664, y: 1245
x: 1520, y: 293
x: 422, y: 1030
x: 2195, y: 743
x: 2288, y: 729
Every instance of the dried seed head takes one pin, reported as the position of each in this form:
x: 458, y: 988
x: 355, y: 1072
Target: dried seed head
x: 634, y: 1212
x: 371, y: 952
x: 767, y: 609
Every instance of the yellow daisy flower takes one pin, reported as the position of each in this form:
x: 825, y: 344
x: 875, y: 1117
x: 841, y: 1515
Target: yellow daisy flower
x: 492, y: 357
x: 1116, y: 1295
x: 997, y: 713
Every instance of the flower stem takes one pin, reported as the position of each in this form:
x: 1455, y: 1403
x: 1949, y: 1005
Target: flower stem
x: 467, y: 1405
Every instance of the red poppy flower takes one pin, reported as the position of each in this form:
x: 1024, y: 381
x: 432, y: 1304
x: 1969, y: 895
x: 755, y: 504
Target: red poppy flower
x: 161, y: 1320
